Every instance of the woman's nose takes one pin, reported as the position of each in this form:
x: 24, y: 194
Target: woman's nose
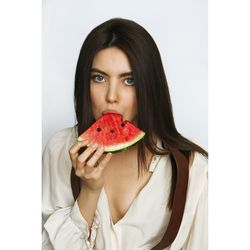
x: 112, y: 95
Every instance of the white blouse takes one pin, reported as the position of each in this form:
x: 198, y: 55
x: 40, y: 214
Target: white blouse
x: 146, y: 220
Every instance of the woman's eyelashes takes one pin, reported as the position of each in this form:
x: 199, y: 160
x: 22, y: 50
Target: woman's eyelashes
x: 129, y: 81
x: 100, y: 79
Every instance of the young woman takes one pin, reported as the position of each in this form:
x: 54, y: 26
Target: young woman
x: 125, y: 200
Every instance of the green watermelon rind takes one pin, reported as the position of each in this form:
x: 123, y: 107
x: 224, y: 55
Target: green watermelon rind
x: 122, y: 146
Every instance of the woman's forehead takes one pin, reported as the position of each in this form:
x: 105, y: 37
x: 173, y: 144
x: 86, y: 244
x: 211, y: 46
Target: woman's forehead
x: 111, y: 61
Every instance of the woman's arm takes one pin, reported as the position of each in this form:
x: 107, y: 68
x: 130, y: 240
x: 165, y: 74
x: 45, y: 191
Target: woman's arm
x: 64, y: 226
x: 87, y: 203
x: 67, y: 228
x: 90, y: 170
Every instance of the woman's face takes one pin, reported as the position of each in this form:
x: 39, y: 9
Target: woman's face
x: 112, y: 84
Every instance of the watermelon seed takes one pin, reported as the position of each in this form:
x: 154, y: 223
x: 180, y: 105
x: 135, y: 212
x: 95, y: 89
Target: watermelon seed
x: 98, y: 129
x: 123, y: 124
x: 112, y: 131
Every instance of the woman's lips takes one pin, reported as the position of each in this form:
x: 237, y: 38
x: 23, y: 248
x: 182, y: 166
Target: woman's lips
x: 110, y: 111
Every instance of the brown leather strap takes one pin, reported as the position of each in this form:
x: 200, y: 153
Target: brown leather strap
x: 178, y: 201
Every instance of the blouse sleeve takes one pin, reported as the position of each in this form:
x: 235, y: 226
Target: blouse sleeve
x: 67, y: 229
x: 63, y: 226
x: 198, y: 237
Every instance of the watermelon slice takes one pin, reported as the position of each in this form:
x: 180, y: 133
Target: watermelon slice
x: 112, y: 133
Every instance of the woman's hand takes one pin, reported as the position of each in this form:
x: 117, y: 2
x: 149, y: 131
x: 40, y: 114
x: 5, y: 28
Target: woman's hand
x: 89, y: 165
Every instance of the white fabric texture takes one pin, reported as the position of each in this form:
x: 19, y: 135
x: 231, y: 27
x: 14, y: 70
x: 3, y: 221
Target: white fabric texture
x: 145, y: 222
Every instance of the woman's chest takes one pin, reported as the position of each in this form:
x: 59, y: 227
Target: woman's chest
x: 121, y: 188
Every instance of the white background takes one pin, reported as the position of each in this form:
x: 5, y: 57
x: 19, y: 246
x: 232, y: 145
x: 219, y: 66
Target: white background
x: 179, y: 29
x: 21, y: 129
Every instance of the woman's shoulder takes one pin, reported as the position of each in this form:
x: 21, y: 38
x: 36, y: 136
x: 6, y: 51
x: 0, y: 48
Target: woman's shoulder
x: 199, y: 166
x: 199, y: 159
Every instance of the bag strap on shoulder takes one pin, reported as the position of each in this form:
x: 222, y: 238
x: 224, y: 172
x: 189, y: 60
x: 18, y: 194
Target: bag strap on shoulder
x: 178, y: 201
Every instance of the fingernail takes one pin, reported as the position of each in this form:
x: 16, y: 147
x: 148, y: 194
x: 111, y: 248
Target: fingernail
x: 110, y: 154
x: 95, y: 146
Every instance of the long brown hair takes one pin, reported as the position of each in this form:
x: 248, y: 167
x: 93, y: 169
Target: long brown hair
x: 155, y: 114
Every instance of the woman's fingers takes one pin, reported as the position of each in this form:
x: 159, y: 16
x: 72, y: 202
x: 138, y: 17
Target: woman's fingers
x: 102, y: 164
x: 97, y: 171
x: 88, y: 163
x: 94, y: 159
x: 105, y: 161
x: 73, y: 152
x: 75, y: 148
x: 85, y: 155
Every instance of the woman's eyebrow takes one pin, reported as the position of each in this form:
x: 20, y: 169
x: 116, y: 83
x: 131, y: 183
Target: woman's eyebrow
x: 103, y: 73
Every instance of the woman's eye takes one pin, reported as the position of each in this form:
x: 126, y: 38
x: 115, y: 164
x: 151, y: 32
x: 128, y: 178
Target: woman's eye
x: 98, y: 78
x: 129, y: 81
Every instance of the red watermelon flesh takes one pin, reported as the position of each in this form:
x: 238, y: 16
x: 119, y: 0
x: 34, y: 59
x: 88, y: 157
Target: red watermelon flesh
x: 112, y: 133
